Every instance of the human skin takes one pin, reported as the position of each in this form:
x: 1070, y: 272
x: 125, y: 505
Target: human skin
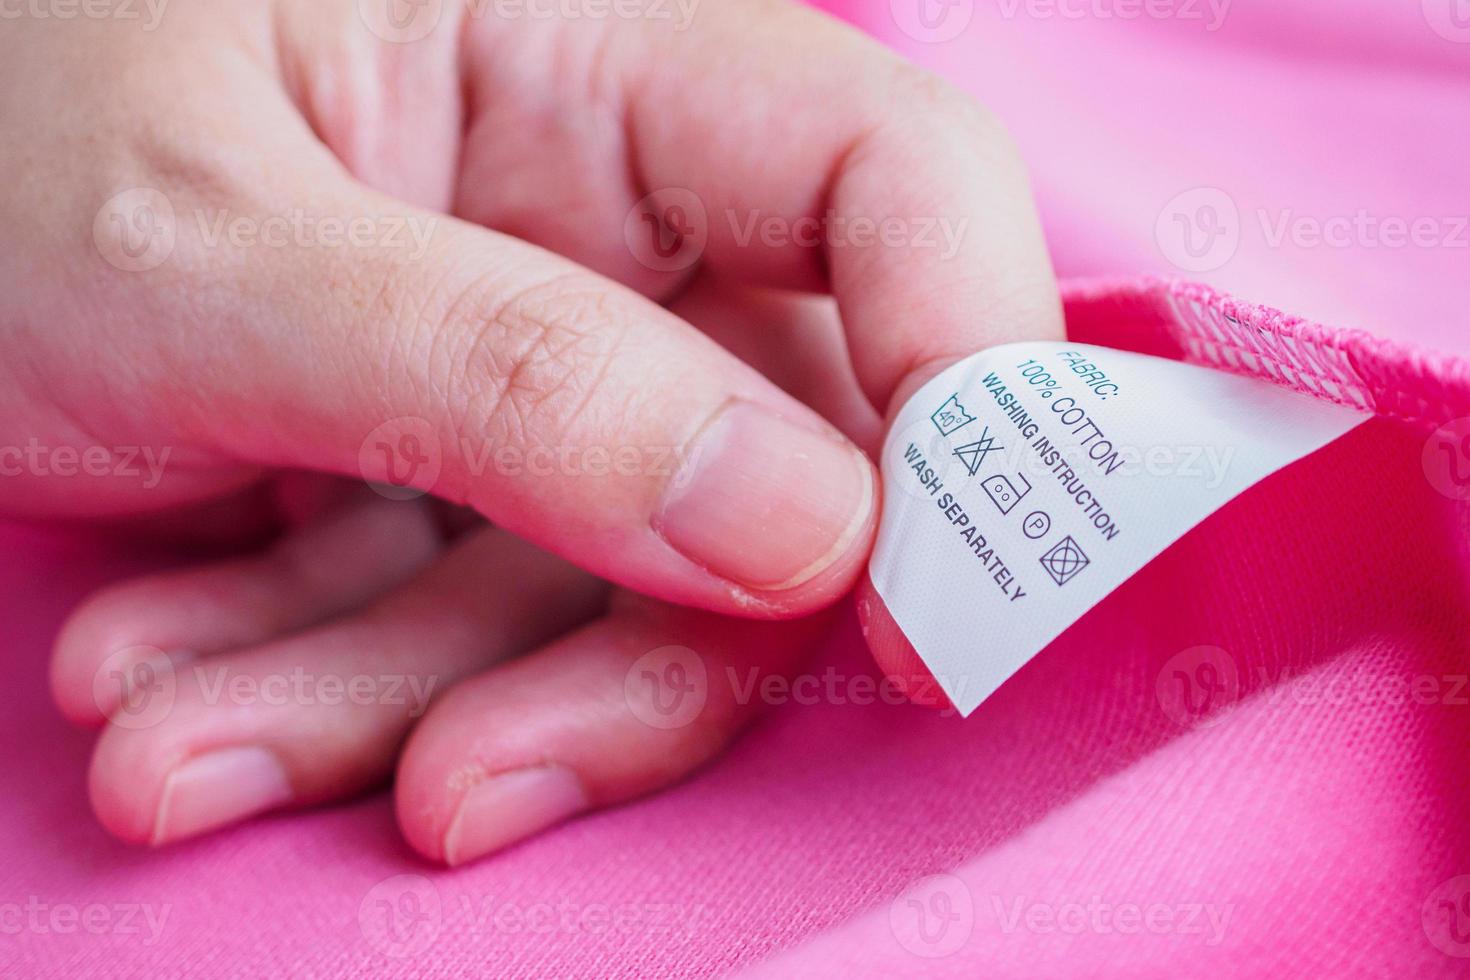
x: 272, y: 362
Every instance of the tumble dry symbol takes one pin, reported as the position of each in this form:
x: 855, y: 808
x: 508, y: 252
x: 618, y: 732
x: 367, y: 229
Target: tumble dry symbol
x: 1064, y: 560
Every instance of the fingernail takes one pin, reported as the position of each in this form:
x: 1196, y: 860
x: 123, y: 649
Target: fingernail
x: 505, y: 808
x: 765, y: 502
x: 218, y: 788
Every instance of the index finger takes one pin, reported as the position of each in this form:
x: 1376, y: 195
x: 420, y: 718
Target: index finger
x: 822, y: 160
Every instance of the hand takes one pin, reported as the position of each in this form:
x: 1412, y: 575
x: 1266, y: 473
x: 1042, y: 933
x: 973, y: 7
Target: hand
x: 229, y: 244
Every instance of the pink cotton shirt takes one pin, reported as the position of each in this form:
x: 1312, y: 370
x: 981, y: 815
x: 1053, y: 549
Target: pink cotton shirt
x: 1085, y: 821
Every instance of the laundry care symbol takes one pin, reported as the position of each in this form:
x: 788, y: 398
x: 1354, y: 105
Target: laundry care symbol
x: 973, y: 454
x: 1064, y: 559
x: 1003, y: 493
x: 951, y: 416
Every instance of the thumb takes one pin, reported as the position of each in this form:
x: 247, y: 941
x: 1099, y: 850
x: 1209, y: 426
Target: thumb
x: 431, y: 355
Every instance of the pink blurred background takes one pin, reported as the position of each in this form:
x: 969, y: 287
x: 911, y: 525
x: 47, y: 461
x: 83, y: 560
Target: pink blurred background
x: 1301, y: 835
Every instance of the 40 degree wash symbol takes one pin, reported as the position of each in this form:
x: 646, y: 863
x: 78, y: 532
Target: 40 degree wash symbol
x: 950, y: 417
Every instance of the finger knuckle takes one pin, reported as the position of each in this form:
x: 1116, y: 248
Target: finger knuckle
x: 538, y: 364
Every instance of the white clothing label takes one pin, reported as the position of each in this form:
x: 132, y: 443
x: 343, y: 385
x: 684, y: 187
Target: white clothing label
x: 1026, y: 482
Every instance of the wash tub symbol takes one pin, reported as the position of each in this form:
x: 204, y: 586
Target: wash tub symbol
x: 1003, y: 493
x: 951, y: 416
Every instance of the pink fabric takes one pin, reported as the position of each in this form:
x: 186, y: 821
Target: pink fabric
x: 1078, y: 819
